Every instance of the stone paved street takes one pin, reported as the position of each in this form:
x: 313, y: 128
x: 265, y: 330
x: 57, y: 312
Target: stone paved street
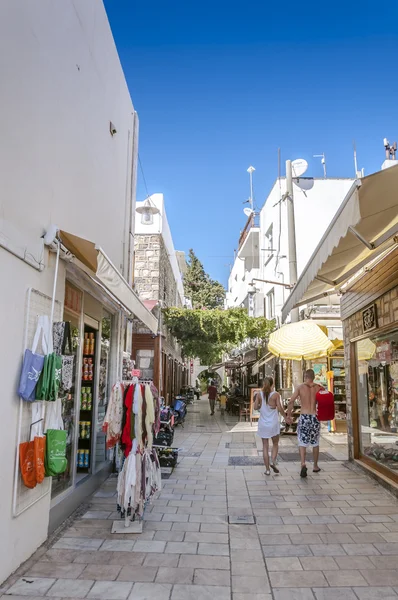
x: 332, y: 536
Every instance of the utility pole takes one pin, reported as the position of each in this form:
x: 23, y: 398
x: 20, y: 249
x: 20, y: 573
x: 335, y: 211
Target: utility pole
x: 251, y: 170
x: 294, y: 314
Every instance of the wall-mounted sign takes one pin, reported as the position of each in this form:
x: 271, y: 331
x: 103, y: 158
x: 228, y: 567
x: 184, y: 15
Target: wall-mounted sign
x: 369, y: 318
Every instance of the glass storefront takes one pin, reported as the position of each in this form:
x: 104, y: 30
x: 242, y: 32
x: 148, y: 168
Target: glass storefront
x: 72, y: 316
x: 103, y: 391
x: 377, y: 390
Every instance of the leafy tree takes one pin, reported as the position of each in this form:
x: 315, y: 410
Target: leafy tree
x: 207, y: 334
x: 199, y: 288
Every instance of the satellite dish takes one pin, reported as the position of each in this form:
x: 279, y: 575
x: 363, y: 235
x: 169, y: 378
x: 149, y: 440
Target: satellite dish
x: 248, y: 211
x: 299, y: 167
x: 304, y: 184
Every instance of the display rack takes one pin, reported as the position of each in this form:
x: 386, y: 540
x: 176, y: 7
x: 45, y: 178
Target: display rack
x: 337, y: 384
x: 86, y: 433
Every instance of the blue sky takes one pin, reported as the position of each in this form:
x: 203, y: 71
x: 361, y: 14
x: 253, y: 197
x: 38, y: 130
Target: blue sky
x: 221, y: 85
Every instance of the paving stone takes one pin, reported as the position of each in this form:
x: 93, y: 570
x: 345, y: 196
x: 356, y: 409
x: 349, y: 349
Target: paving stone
x: 96, y: 514
x: 286, y: 550
x: 250, y: 584
x: 117, y: 545
x: 174, y: 575
x: 181, y: 548
x: 56, y: 570
x: 100, y: 572
x: 342, y: 593
x: 290, y: 594
x: 139, y: 573
x: 212, y: 577
x: 298, y: 579
x: 149, y: 546
x: 32, y: 586
x: 374, y: 593
x: 317, y: 563
x: 125, y: 558
x: 379, y: 577
x: 360, y: 549
x: 59, y: 556
x: 239, y: 596
x: 110, y: 590
x: 200, y: 592
x: 150, y: 591
x: 169, y: 536
x: 384, y: 562
x: 327, y: 550
x: 343, y: 578
x: 213, y: 538
x: 69, y: 588
x: 279, y: 564
x: 354, y: 562
x: 387, y: 548
x: 204, y: 562
x: 78, y: 543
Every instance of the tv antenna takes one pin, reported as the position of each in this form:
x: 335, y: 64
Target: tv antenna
x: 323, y: 161
x: 251, y: 170
x: 391, y: 149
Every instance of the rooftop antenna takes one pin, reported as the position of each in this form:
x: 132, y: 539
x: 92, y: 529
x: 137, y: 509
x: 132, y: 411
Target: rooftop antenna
x: 323, y: 161
x: 251, y: 170
x: 358, y: 173
x: 391, y: 150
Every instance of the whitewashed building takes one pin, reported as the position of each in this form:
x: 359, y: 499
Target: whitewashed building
x: 68, y: 155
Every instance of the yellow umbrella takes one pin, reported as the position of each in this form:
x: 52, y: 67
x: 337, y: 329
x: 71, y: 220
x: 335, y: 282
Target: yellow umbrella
x: 297, y: 341
x: 366, y: 349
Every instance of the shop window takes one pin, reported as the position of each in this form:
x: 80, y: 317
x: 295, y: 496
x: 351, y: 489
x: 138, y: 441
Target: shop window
x: 271, y: 304
x: 377, y: 392
x: 103, y: 391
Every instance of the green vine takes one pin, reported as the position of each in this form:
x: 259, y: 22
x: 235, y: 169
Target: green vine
x: 207, y: 334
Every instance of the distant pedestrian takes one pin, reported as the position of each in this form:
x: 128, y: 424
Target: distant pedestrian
x: 212, y: 392
x: 268, y: 401
x: 309, y: 427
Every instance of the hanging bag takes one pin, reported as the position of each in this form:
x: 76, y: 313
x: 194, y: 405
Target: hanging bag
x: 33, y: 363
x: 55, y: 455
x: 39, y: 446
x: 67, y: 359
x: 27, y: 464
x: 325, y: 405
x: 50, y: 378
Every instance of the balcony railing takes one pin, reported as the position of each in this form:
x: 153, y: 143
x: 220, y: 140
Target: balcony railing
x: 252, y: 221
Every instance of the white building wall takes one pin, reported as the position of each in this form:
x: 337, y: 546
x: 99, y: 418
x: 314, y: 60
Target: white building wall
x: 59, y: 164
x: 314, y: 210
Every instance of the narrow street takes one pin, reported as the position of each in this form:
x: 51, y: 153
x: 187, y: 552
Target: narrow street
x: 332, y: 536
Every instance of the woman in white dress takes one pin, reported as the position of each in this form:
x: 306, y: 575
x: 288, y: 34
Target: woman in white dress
x: 268, y: 401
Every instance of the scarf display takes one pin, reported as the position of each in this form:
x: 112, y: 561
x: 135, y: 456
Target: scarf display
x: 112, y: 425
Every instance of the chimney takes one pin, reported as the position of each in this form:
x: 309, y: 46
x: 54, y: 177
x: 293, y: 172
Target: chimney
x: 391, y: 152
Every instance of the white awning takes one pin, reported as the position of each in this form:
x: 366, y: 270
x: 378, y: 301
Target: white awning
x: 364, y: 227
x: 95, y: 259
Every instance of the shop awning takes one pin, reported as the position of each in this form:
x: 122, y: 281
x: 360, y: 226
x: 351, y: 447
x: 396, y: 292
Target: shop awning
x: 265, y: 359
x: 95, y: 259
x: 364, y: 227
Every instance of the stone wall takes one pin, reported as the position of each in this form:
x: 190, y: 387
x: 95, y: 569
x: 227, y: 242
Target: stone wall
x: 154, y: 279
x: 387, y: 314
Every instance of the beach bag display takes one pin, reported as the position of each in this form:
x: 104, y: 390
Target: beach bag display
x: 325, y: 405
x: 33, y: 363
x: 55, y: 454
x: 48, y: 385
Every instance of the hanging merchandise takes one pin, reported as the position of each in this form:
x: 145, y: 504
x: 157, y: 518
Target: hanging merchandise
x: 50, y: 378
x: 39, y: 444
x: 33, y: 363
x: 140, y: 476
x: 112, y: 425
x: 27, y: 464
x: 55, y: 455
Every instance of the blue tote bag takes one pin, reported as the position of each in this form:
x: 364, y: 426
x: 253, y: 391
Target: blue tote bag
x: 32, y: 365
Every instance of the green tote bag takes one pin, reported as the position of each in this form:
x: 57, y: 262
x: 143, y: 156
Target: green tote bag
x: 55, y: 457
x: 48, y: 384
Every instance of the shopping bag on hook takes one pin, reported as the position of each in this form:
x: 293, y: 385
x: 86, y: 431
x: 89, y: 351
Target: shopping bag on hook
x: 39, y: 444
x: 50, y: 378
x: 27, y: 464
x: 33, y: 362
x: 55, y: 454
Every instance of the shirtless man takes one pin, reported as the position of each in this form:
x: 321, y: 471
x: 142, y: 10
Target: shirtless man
x: 309, y: 428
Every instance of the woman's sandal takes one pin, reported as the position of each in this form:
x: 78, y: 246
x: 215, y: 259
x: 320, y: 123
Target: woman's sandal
x: 316, y: 470
x: 267, y: 472
x: 275, y: 469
